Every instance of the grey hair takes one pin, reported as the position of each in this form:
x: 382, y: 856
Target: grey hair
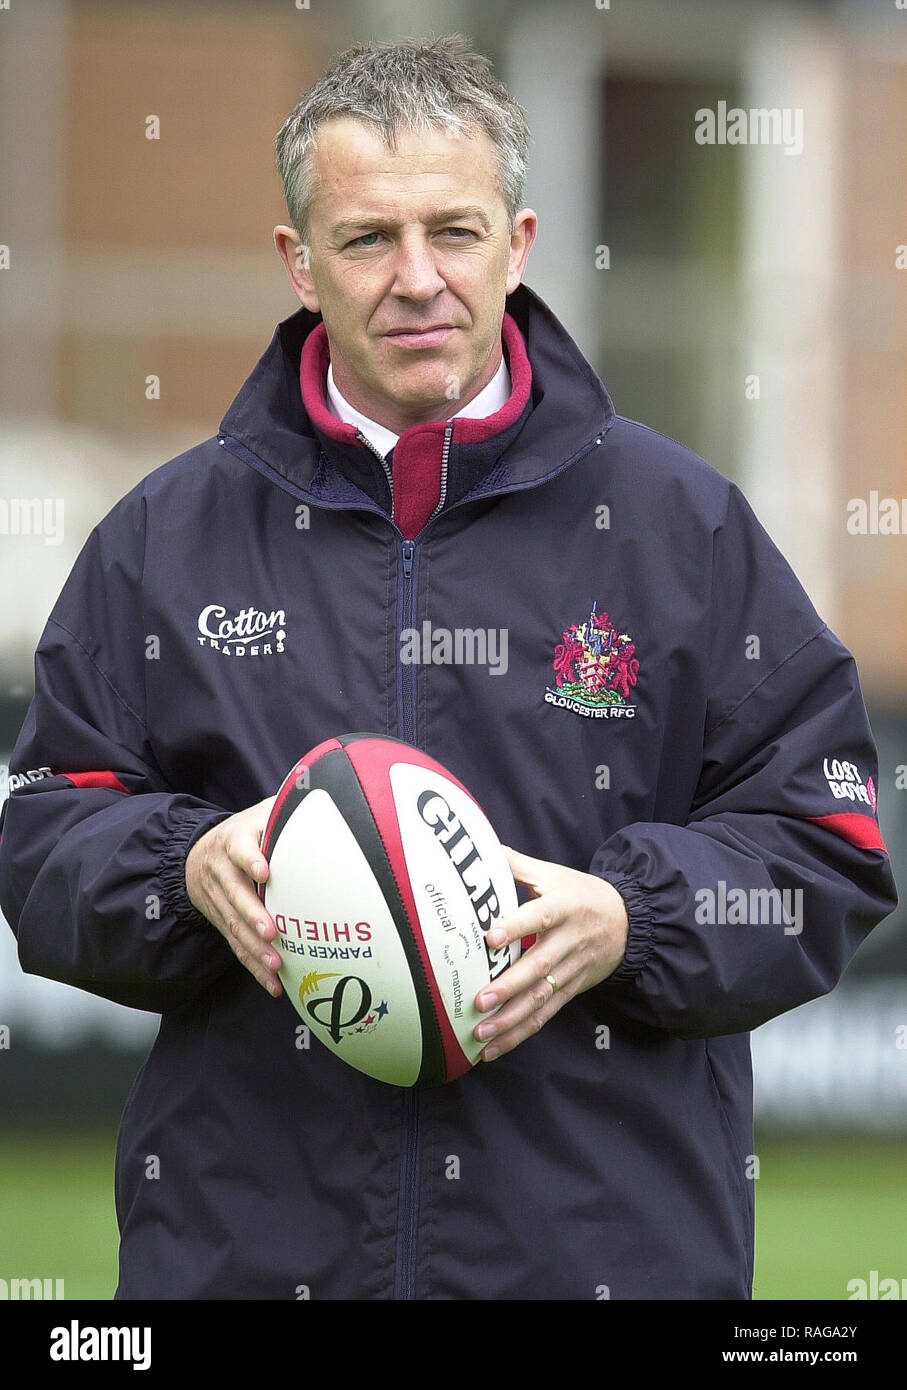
x: 441, y: 84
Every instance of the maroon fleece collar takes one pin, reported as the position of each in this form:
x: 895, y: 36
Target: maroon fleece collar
x: 418, y: 451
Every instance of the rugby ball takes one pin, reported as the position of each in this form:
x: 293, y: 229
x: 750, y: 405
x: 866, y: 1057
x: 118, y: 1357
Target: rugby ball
x: 384, y: 877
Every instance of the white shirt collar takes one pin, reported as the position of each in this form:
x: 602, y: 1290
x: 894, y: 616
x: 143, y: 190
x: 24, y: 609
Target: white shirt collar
x: 489, y: 400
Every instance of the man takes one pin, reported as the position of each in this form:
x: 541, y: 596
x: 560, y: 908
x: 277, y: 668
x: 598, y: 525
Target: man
x: 423, y: 443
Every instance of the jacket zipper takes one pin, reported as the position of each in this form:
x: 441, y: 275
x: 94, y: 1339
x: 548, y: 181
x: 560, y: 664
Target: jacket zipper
x: 408, y: 1198
x: 363, y: 439
x: 407, y: 680
x: 445, y: 455
x: 407, y: 689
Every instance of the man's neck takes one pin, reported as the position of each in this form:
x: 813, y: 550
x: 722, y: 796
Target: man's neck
x: 483, y: 400
x: 395, y: 418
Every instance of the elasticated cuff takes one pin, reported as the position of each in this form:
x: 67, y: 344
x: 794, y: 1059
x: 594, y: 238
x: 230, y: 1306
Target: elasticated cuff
x: 641, y: 926
x: 187, y: 827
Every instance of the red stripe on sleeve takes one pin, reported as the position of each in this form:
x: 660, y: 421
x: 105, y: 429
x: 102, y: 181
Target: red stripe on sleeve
x: 95, y: 779
x: 858, y: 830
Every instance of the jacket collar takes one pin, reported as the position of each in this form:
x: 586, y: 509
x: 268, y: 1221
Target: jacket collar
x: 558, y: 407
x: 435, y: 463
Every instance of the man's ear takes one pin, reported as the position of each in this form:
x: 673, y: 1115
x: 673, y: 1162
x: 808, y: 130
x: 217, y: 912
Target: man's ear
x: 295, y: 256
x: 525, y: 226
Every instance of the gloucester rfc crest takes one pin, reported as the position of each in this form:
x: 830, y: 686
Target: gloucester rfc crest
x: 595, y: 670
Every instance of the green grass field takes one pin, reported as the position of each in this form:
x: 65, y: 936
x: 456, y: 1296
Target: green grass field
x: 827, y: 1212
x: 57, y: 1218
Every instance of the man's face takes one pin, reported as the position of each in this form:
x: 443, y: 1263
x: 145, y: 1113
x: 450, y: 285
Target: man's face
x: 410, y: 259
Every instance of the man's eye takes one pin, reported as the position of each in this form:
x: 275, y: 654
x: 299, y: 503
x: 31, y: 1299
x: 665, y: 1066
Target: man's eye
x: 370, y: 239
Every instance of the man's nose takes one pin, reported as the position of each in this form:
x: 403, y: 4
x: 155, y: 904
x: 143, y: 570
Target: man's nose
x: 417, y: 274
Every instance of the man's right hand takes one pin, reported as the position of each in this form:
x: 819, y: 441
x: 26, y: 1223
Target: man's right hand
x: 222, y: 869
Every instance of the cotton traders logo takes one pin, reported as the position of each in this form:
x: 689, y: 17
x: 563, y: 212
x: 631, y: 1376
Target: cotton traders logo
x: 596, y: 670
x: 250, y: 632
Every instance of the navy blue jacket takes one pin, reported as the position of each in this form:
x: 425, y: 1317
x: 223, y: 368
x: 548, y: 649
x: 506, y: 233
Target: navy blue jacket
x: 672, y: 714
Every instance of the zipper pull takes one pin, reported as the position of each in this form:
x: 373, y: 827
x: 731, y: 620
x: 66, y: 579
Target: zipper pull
x: 409, y: 550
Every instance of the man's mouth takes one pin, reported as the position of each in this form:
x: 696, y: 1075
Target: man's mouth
x: 421, y: 337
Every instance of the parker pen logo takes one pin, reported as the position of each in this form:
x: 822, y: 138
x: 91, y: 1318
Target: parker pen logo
x: 596, y: 668
x: 348, y: 1008
x: 248, y: 632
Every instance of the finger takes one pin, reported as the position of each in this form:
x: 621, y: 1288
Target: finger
x: 244, y: 851
x: 528, y: 999
x: 236, y: 887
x: 546, y: 958
x: 259, y: 867
x: 513, y: 927
x: 534, y: 918
x: 523, y: 974
x: 532, y: 873
x: 246, y: 947
x: 247, y: 926
x: 526, y: 1015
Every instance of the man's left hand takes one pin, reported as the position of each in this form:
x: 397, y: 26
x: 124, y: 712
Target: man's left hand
x: 580, y: 925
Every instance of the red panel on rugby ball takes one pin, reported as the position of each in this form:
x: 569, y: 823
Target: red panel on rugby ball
x: 385, y: 875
